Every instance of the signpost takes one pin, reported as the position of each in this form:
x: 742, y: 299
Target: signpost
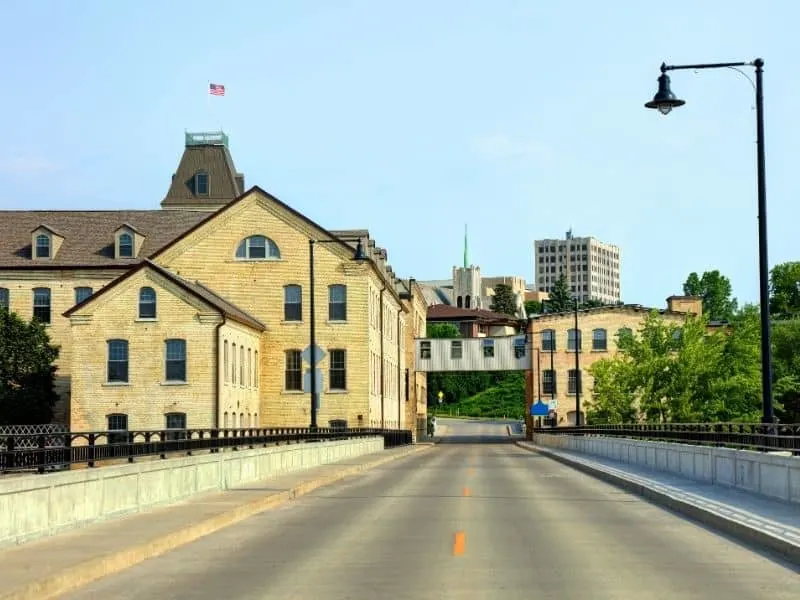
x: 319, y: 354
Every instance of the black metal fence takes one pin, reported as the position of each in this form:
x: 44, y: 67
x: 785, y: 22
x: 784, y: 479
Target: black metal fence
x: 748, y: 436
x: 48, y: 452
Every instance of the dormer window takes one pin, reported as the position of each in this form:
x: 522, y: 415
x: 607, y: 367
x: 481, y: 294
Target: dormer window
x: 126, y: 245
x: 201, y: 183
x: 42, y: 246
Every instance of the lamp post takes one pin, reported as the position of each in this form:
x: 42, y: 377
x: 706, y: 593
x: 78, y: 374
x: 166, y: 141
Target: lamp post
x: 358, y: 256
x: 578, y: 344
x: 664, y: 101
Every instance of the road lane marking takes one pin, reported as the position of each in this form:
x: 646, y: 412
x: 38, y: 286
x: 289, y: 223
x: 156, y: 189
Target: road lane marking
x: 459, y: 542
x: 465, y: 492
x: 470, y: 472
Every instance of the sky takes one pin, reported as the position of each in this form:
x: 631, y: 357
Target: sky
x: 519, y: 119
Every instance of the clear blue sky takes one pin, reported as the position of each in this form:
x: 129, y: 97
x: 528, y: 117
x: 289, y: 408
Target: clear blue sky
x: 520, y: 118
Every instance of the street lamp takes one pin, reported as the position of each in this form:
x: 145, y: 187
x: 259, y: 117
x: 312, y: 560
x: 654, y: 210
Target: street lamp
x: 578, y: 378
x: 358, y: 256
x: 664, y: 101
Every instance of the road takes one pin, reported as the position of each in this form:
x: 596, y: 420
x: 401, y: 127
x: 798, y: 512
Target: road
x: 472, y: 521
x: 460, y: 431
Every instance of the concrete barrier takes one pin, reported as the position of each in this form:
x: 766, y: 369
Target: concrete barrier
x: 770, y: 475
x: 39, y: 505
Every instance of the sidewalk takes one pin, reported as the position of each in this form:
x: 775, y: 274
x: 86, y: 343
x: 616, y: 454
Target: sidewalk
x: 51, y: 566
x: 771, y: 524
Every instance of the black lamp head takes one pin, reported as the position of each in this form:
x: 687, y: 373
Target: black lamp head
x: 664, y: 100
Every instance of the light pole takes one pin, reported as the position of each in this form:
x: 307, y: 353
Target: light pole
x: 578, y: 344
x: 664, y: 101
x: 357, y: 256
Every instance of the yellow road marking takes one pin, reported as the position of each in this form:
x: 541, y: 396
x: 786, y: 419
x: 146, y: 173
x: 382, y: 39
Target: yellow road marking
x: 465, y: 492
x: 459, y: 543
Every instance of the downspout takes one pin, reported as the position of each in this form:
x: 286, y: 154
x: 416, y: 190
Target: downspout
x: 383, y: 422
x: 219, y: 380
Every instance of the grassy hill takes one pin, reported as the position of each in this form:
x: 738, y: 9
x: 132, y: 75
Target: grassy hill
x: 506, y: 399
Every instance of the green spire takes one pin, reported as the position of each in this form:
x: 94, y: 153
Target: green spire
x: 466, y: 251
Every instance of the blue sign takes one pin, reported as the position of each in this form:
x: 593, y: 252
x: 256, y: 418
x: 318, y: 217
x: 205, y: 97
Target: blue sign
x: 540, y: 409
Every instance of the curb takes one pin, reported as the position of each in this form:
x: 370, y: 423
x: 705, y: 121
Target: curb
x: 82, y: 574
x: 749, y: 535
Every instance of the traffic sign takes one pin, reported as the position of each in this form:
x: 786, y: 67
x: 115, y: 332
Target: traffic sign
x: 307, y: 380
x: 319, y: 354
x: 540, y: 409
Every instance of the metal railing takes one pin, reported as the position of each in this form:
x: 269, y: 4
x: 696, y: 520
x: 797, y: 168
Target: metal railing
x: 746, y: 436
x: 29, y: 451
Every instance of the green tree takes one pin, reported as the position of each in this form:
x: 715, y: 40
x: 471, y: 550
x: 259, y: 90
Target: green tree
x: 443, y: 330
x: 560, y: 298
x: 592, y: 303
x: 27, y: 373
x: 716, y: 291
x: 504, y: 300
x: 784, y: 301
x: 614, y: 396
x: 786, y: 369
x: 533, y: 307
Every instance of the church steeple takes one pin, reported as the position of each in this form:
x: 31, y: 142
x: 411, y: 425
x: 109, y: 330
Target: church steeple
x: 466, y: 251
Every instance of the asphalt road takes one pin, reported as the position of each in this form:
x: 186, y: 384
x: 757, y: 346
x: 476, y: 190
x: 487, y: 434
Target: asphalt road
x: 468, y: 521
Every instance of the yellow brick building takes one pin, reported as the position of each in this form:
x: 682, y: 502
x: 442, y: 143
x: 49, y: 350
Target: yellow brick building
x: 554, y: 343
x: 197, y: 315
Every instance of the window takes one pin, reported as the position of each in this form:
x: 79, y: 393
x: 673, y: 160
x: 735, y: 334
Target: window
x: 519, y: 347
x: 82, y: 293
x: 425, y: 350
x: 456, y: 350
x: 42, y: 246
x: 292, y: 303
x: 176, y: 360
x: 225, y: 363
x: 574, y: 381
x: 549, y: 382
x: 41, y: 304
x: 4, y: 298
x: 117, y: 429
x: 459, y: 302
x: 338, y: 370
x: 488, y: 348
x: 147, y: 303
x: 257, y: 247
x: 233, y: 366
x: 201, y: 183
x: 249, y: 367
x: 126, y: 245
x: 294, y: 365
x: 466, y: 301
x: 225, y: 420
x: 574, y: 340
x: 599, y: 339
x: 176, y: 426
x: 241, y: 365
x: 117, y: 361
x: 255, y: 369
x: 548, y: 340
x: 337, y: 302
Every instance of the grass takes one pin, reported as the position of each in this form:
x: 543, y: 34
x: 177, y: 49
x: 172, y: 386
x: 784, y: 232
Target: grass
x: 505, y: 400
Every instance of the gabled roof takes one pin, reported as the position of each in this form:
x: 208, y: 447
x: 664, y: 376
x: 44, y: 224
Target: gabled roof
x: 224, y: 182
x: 444, y: 312
x: 230, y: 310
x: 88, y: 234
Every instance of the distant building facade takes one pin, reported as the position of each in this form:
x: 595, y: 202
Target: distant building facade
x: 591, y: 267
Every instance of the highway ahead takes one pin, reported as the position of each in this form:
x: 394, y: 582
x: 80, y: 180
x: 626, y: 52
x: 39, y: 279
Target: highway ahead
x: 471, y: 521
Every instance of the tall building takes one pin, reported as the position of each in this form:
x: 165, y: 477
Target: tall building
x: 590, y: 266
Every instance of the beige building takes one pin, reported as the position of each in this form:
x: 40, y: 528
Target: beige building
x: 197, y: 315
x: 590, y: 266
x: 416, y: 381
x: 555, y: 342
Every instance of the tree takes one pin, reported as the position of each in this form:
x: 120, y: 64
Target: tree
x: 784, y: 286
x: 592, y: 303
x: 443, y: 330
x: 786, y: 369
x: 504, y: 300
x: 533, y: 307
x: 671, y: 372
x: 560, y: 298
x: 716, y: 290
x: 27, y: 372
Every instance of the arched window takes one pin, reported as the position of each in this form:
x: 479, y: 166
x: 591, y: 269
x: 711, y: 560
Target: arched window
x: 126, y: 245
x: 466, y: 301
x: 599, y: 339
x: 459, y: 302
x: 147, y: 303
x: 257, y: 247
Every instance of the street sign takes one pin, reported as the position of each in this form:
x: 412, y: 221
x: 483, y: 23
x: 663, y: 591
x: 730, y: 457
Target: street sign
x: 540, y: 409
x: 306, y: 354
x: 552, y: 404
x: 307, y: 380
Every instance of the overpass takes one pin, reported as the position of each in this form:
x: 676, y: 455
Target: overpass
x: 479, y: 515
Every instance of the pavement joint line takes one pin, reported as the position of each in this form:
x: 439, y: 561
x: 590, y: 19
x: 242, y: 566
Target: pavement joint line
x: 79, y: 575
x: 731, y: 522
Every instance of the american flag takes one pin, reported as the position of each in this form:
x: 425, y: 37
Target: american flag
x: 216, y: 89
